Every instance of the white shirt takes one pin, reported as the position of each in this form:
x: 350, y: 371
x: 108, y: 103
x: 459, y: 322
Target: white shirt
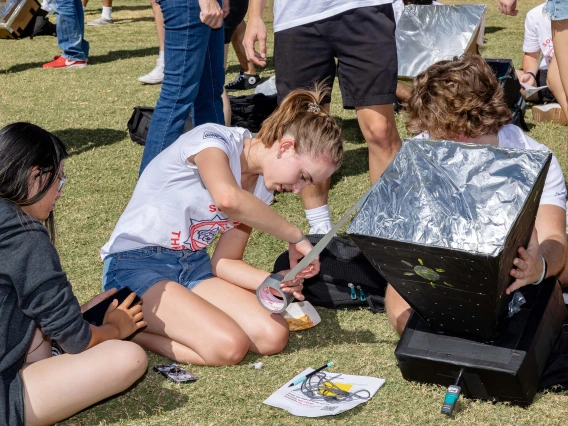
x: 170, y: 206
x: 398, y: 8
x: 510, y: 136
x: 538, y: 35
x: 293, y: 13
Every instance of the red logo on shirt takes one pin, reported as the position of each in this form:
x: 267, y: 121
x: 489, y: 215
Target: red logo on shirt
x: 203, y: 232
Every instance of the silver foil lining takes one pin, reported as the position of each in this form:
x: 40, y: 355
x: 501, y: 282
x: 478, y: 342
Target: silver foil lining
x: 450, y: 195
x: 428, y: 34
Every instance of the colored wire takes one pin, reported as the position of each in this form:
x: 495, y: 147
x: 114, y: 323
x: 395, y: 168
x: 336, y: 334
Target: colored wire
x: 320, y: 387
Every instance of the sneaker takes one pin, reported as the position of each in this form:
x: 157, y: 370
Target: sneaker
x: 156, y: 76
x: 61, y: 62
x: 243, y: 82
x: 549, y: 112
x: 100, y: 21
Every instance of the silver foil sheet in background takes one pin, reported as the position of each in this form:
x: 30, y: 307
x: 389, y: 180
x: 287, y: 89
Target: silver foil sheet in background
x: 450, y: 195
x: 428, y: 34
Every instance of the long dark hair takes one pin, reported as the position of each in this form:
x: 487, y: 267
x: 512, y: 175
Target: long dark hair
x: 24, y: 146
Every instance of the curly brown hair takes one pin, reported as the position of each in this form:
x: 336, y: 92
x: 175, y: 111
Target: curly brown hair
x: 457, y: 98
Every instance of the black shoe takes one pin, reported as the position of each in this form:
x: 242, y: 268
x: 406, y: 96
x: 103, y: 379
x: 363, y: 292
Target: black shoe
x: 243, y: 82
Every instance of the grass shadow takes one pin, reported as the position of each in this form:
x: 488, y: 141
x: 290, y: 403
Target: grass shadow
x: 350, y: 130
x: 78, y: 141
x: 355, y: 163
x: 267, y: 70
x: 329, y: 333
x: 156, y: 398
x: 492, y: 30
x: 134, y: 20
x: 113, y: 55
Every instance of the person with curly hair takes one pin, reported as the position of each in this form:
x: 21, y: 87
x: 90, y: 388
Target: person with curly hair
x: 461, y: 100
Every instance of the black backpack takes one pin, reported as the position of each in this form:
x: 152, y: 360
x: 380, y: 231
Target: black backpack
x: 139, y: 124
x: 250, y: 111
x: 341, y: 264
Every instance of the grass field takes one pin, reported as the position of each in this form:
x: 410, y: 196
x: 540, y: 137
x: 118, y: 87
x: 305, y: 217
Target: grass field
x: 88, y: 109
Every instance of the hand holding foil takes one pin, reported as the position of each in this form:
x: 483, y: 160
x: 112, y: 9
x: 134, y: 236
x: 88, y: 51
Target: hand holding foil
x: 297, y: 251
x: 528, y: 265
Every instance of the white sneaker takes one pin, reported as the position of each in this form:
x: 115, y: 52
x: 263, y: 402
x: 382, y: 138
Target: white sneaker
x: 100, y: 22
x: 156, y: 76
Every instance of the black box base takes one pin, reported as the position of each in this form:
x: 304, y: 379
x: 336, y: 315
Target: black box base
x: 506, y: 369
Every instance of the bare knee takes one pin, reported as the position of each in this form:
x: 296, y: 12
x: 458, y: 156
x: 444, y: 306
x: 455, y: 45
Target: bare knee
x: 129, y: 360
x: 271, y: 336
x: 229, y: 350
x: 398, y: 311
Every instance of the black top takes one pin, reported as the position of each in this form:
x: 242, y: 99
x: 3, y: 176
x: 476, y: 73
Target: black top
x: 34, y: 291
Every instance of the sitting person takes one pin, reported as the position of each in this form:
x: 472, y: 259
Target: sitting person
x: 37, y: 302
x: 460, y: 100
x: 219, y: 180
x: 538, y: 46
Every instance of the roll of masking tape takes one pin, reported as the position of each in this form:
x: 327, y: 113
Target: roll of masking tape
x: 271, y: 296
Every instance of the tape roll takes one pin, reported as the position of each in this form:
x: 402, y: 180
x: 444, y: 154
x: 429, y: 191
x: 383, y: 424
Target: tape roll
x: 266, y: 296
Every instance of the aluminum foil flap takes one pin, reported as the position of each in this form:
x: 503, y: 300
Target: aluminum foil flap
x: 451, y: 195
x: 428, y: 34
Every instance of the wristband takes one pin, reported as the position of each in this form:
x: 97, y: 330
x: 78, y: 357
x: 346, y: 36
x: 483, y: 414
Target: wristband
x: 544, y: 268
x: 532, y: 74
x: 300, y: 240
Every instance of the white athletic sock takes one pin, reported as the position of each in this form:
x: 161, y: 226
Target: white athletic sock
x: 320, y: 220
x: 106, y: 12
x: 161, y: 56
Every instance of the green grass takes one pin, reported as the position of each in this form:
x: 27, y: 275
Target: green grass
x: 89, y: 109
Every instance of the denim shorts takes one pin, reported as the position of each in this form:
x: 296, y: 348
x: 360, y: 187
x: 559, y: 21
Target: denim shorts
x: 556, y: 9
x: 141, y: 268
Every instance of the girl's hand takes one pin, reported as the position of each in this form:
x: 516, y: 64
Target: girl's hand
x: 295, y: 286
x: 97, y: 299
x: 226, y: 8
x: 126, y: 320
x: 528, y: 266
x: 528, y: 79
x: 508, y: 7
x: 297, y: 251
x: 211, y: 13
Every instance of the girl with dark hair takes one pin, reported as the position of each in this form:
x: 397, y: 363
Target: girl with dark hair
x: 37, y: 303
x: 219, y: 180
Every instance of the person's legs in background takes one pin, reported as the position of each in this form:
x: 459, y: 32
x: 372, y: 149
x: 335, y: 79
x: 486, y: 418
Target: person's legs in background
x: 248, y: 78
x: 156, y: 76
x: 70, y: 35
x: 190, y: 47
x: 106, y: 15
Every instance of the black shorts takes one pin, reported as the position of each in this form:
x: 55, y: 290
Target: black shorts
x: 545, y: 95
x: 237, y: 11
x: 363, y: 42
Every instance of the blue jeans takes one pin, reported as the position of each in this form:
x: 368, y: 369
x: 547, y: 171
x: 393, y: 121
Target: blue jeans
x: 140, y: 269
x: 193, y: 76
x: 71, y: 29
x: 557, y: 9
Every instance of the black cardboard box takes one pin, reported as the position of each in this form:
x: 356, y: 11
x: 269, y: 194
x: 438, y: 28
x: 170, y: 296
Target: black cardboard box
x: 506, y: 369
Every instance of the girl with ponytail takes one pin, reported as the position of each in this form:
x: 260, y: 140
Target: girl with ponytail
x: 219, y: 180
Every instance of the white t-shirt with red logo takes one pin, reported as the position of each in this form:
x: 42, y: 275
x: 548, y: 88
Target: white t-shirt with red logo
x: 170, y: 206
x: 538, y: 35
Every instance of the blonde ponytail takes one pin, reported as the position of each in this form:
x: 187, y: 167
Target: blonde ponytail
x: 300, y: 116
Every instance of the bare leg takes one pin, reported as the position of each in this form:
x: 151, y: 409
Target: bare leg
x: 268, y: 333
x: 398, y: 311
x: 555, y: 85
x: 314, y: 196
x: 560, y: 41
x: 225, y: 96
x: 159, y: 20
x: 84, y: 2
x: 189, y: 329
x: 379, y: 130
x: 237, y: 42
x: 56, y: 388
x: 107, y: 3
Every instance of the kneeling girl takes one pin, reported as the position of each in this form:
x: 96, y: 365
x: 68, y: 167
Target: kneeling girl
x: 216, y: 179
